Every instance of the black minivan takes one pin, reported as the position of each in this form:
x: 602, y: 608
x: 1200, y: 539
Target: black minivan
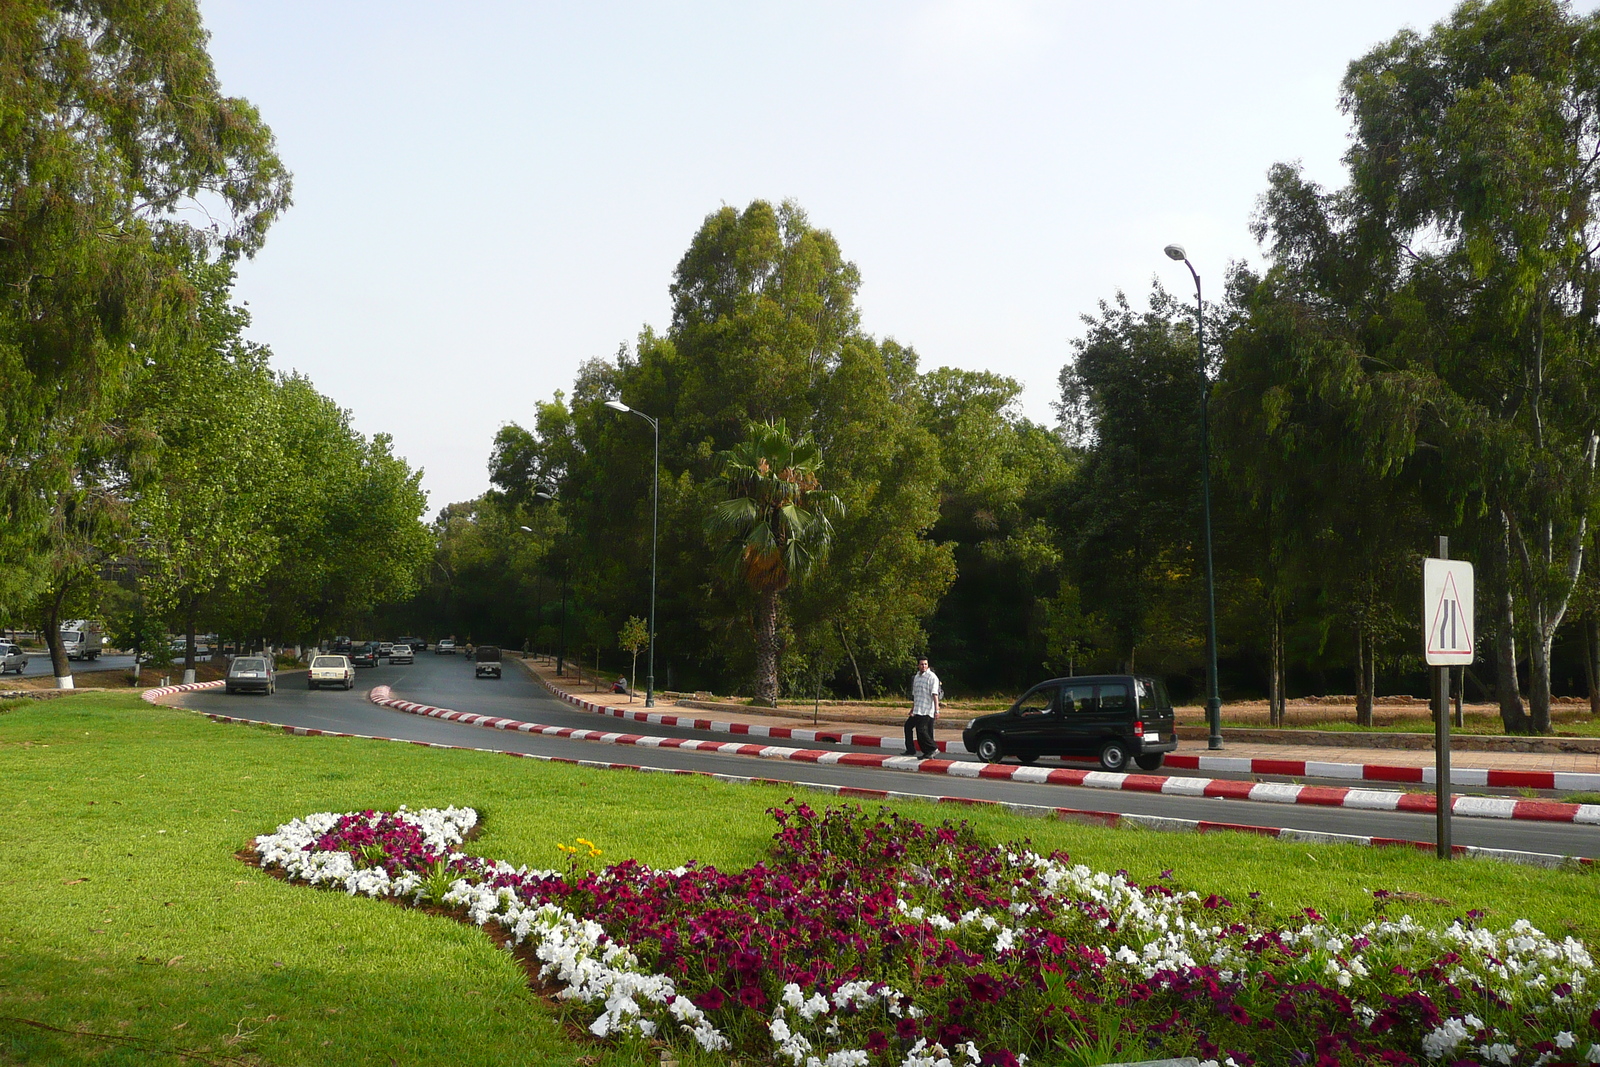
x: 1114, y: 717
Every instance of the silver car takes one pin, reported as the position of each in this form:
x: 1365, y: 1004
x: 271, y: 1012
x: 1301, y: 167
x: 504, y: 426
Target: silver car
x: 12, y: 658
x: 252, y: 674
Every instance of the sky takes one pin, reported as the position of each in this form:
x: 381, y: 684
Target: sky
x: 488, y: 194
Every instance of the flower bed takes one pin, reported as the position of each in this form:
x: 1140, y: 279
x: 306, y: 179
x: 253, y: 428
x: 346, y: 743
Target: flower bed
x: 877, y: 940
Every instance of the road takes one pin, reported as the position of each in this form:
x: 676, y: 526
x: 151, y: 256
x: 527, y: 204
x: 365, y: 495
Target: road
x: 39, y: 665
x: 447, y: 681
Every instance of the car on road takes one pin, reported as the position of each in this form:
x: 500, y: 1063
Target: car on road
x: 415, y: 644
x: 12, y: 658
x: 364, y: 655
x: 1115, y: 718
x: 255, y: 674
x: 384, y: 648
x: 400, y: 654
x: 486, y: 662
x: 330, y: 670
x: 341, y: 646
x: 446, y: 647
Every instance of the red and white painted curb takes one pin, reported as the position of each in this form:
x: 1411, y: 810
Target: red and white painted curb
x: 1227, y: 789
x: 1099, y: 818
x: 1371, y: 772
x: 154, y: 695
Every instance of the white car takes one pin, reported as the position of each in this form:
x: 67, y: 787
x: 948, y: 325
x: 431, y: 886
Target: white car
x: 400, y: 654
x: 330, y: 670
x: 12, y: 658
x: 446, y: 647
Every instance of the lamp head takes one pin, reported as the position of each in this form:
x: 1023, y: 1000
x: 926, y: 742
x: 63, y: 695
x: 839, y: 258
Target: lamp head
x: 526, y: 529
x: 617, y: 405
x: 1176, y: 252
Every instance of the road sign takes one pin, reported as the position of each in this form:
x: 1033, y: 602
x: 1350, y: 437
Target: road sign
x: 1447, y: 620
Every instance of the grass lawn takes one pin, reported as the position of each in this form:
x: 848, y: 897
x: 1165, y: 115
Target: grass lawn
x: 126, y: 914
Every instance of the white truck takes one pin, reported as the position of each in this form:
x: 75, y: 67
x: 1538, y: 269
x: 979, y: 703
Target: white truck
x: 82, y: 639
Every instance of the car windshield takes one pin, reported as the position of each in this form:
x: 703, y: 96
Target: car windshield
x: 328, y: 661
x: 402, y: 648
x: 249, y: 665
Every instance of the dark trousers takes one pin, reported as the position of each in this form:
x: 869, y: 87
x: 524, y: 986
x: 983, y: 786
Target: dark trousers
x: 923, y: 727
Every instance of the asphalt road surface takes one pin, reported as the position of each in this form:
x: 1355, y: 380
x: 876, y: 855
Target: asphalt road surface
x: 39, y: 665
x: 448, y: 682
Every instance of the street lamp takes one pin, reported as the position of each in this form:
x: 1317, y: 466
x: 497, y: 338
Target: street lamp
x: 1213, y: 700
x: 655, y: 515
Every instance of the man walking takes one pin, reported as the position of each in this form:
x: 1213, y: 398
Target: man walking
x: 925, y: 694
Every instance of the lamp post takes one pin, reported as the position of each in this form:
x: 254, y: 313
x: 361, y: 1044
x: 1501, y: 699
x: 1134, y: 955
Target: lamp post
x: 655, y: 515
x: 1213, y: 700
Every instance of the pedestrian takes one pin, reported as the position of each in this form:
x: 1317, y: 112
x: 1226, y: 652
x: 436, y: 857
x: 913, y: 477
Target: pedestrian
x: 925, y: 694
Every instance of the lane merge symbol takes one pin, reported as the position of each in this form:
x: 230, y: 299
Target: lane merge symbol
x: 1447, y: 618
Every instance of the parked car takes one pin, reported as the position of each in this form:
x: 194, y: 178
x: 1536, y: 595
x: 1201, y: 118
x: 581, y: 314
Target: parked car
x: 1115, y: 718
x: 252, y: 674
x: 486, y: 662
x: 12, y: 658
x: 341, y: 646
x: 364, y: 655
x: 446, y: 647
x: 415, y: 644
x: 330, y: 670
x: 384, y: 648
x: 400, y: 654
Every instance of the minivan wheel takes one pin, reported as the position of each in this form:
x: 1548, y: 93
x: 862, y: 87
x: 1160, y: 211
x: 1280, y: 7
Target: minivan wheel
x: 989, y: 749
x: 1113, y: 757
x: 1028, y: 758
x: 1150, y: 762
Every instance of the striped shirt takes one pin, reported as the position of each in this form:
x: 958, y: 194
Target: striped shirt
x: 924, y: 692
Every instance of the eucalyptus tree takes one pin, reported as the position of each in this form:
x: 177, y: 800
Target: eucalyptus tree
x: 775, y: 528
x: 1461, y: 255
x: 112, y: 127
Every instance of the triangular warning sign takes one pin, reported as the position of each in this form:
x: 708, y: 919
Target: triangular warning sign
x: 1450, y: 625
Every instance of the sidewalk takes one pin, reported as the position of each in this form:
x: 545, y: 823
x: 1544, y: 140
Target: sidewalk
x: 1191, y: 755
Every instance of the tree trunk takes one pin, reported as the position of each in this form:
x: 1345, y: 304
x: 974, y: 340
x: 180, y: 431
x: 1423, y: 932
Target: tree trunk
x: 1591, y: 659
x: 52, y: 641
x: 1363, y: 677
x: 188, y: 638
x: 861, y: 688
x: 1539, y: 683
x: 766, y: 626
x: 1507, y: 689
x: 1275, y: 696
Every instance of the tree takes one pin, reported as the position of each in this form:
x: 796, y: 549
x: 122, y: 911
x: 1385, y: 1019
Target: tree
x: 775, y: 529
x: 1130, y: 398
x: 111, y: 127
x: 633, y: 636
x: 1461, y: 255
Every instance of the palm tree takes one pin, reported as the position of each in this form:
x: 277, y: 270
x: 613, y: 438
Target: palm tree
x: 776, y: 527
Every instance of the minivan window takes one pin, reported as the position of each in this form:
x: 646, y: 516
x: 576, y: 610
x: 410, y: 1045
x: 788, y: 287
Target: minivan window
x: 1152, y: 694
x: 1037, y: 702
x: 1077, y: 698
x: 1114, y: 697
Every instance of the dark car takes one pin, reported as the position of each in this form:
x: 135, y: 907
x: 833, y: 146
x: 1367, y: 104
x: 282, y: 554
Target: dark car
x: 252, y: 674
x: 1114, y: 718
x: 364, y: 654
x: 486, y: 662
x: 416, y: 644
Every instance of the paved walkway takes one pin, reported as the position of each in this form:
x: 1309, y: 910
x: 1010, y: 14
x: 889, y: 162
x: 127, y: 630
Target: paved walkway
x: 948, y: 729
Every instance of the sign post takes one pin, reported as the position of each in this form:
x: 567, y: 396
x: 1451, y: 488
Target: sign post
x: 1447, y: 639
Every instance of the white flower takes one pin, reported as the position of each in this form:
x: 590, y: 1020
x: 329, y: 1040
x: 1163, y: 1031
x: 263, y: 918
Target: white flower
x: 1565, y: 1039
x: 1445, y: 1038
